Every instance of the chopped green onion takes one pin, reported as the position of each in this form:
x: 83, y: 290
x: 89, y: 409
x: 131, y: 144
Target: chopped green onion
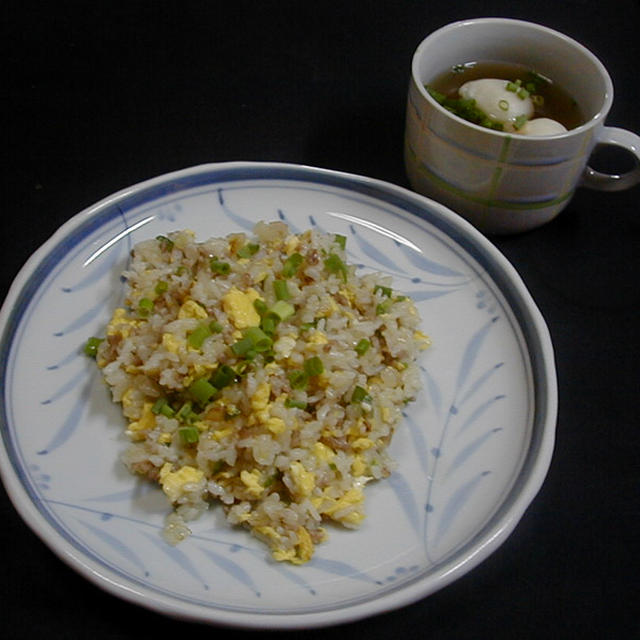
x: 281, y: 290
x: 215, y: 327
x: 91, y: 346
x: 334, y: 264
x: 260, y: 306
x: 165, y: 243
x: 161, y: 405
x: 519, y: 122
x: 248, y: 250
x: 260, y: 340
x: 360, y: 395
x: 298, y: 379
x: 384, y: 307
x: 537, y: 99
x: 362, y: 347
x: 464, y: 108
x: 202, y: 390
x: 504, y: 105
x: 198, y: 336
x: 185, y: 411
x: 313, y: 366
x: 145, y: 306
x: 242, y: 347
x: 291, y: 265
x: 282, y: 310
x: 224, y: 375
x: 268, y: 325
x: 219, y: 267
x: 513, y: 86
x: 385, y: 291
x: 158, y: 405
x: 161, y: 287
x: 241, y: 368
x: 523, y: 94
x: 341, y: 241
x: 305, y: 326
x: 295, y: 404
x: 189, y: 435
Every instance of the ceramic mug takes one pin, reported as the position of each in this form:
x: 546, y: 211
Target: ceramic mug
x: 505, y: 182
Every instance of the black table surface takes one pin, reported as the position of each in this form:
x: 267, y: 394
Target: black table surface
x: 104, y: 95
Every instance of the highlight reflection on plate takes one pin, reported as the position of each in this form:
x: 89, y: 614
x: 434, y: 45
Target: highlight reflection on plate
x: 473, y: 449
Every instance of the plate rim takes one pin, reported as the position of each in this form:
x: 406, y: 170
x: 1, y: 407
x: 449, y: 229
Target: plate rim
x: 490, y: 538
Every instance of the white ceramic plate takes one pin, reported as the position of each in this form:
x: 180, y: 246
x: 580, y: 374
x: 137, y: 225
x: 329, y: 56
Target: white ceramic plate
x: 472, y: 452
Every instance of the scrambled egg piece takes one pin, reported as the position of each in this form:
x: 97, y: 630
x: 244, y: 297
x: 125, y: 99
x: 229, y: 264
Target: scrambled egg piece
x: 332, y: 506
x: 362, y: 443
x: 275, y: 425
x: 239, y: 307
x: 172, y: 343
x: 358, y: 466
x: 120, y: 324
x: 317, y: 337
x: 192, y: 309
x: 301, y: 553
x: 260, y: 399
x: 305, y: 481
x: 253, y: 481
x: 147, y: 420
x: 173, y: 482
x: 323, y: 452
x: 291, y: 243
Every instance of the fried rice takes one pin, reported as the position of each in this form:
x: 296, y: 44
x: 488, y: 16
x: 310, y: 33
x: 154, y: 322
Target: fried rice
x: 262, y: 373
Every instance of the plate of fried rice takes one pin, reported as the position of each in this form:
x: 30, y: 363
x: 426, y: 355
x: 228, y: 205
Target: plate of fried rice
x: 272, y: 396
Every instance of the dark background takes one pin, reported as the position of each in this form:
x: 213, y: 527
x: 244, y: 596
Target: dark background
x: 102, y: 96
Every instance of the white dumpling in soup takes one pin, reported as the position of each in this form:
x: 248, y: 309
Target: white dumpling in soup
x: 499, y: 103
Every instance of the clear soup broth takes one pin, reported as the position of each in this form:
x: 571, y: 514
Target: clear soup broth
x: 554, y: 101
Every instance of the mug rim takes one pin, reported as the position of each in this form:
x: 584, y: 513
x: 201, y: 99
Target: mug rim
x: 589, y: 124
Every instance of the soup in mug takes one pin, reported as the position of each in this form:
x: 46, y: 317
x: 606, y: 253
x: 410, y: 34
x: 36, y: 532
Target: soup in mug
x: 506, y: 97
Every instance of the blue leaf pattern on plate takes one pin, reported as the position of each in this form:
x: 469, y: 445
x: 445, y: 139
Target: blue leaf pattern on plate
x: 425, y: 264
x: 180, y: 558
x: 103, y: 269
x: 231, y: 568
x: 123, y: 550
x: 85, y: 318
x: 245, y: 223
x: 406, y: 497
x: 480, y: 381
x: 477, y: 413
x: 373, y: 252
x: 340, y: 568
x: 442, y: 516
x: 419, y: 441
x: 471, y: 352
x: 456, y: 503
x: 65, y: 360
x: 465, y: 453
x: 70, y: 424
x: 70, y: 385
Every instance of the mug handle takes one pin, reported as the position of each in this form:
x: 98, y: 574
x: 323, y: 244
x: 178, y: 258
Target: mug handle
x: 611, y: 182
